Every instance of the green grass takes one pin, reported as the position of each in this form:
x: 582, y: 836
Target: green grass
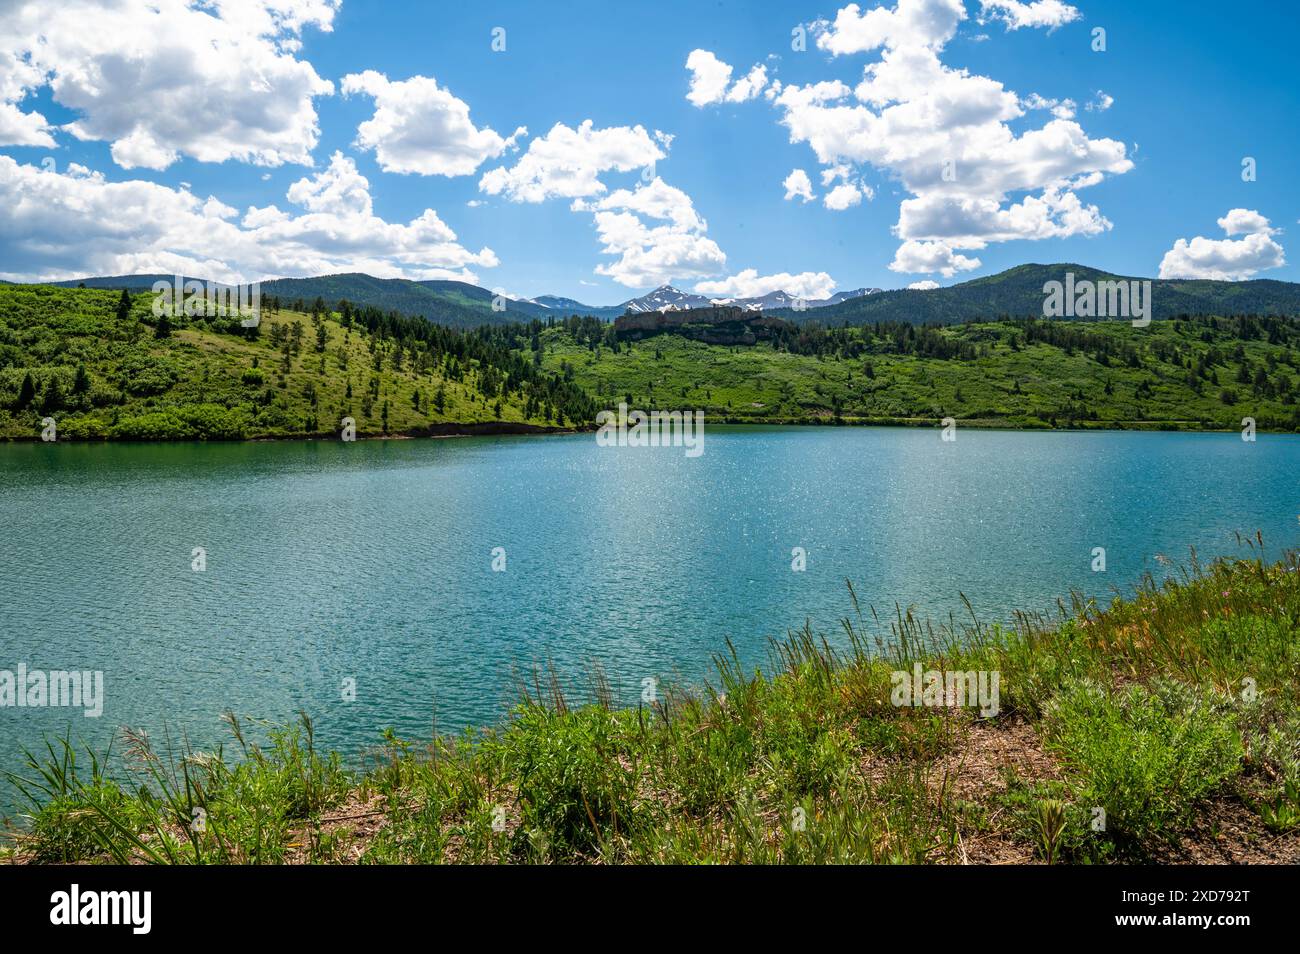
x: 1161, y: 710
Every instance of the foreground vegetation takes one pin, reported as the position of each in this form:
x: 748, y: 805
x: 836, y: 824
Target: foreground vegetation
x: 1163, y: 727
x: 1178, y: 374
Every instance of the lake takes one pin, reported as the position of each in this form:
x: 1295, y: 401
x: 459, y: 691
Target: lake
x: 373, y: 560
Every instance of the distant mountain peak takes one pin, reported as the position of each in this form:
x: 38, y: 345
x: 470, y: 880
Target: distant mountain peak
x: 669, y: 298
x: 666, y: 298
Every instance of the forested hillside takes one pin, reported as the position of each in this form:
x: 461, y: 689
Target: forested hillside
x: 1025, y: 373
x: 103, y: 366
x: 1018, y: 293
x: 454, y: 304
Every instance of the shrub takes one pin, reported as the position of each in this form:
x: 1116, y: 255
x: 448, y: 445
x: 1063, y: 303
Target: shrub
x: 143, y: 375
x: 571, y: 785
x: 151, y: 426
x: 1145, y: 757
x: 214, y: 422
x: 81, y: 428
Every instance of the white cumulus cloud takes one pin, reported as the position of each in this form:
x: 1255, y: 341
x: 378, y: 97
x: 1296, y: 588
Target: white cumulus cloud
x: 160, y: 79
x: 420, y: 127
x: 567, y: 163
x: 926, y: 25
x: 1230, y: 259
x: 652, y: 230
x: 1038, y: 13
x: 843, y: 196
x: 135, y: 226
x: 914, y: 256
x: 672, y: 244
x: 749, y: 284
x: 1060, y: 108
x: 711, y: 80
x: 945, y: 134
x: 798, y: 185
x: 1245, y: 222
x: 1100, y: 102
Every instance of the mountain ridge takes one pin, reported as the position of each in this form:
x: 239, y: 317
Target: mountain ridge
x: 1014, y: 292
x: 668, y: 298
x: 1018, y: 292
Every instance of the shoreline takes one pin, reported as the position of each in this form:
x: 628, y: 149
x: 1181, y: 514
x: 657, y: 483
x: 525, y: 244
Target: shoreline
x: 521, y: 429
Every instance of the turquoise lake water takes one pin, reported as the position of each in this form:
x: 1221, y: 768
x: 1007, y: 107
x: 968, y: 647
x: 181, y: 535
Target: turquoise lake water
x: 373, y: 560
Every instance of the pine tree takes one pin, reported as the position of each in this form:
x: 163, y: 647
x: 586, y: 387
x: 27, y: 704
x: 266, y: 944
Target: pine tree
x: 52, y: 400
x: 124, y: 306
x: 26, y: 393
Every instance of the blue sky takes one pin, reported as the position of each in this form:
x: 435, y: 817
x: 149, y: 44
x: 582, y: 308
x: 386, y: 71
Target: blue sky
x: 157, y: 105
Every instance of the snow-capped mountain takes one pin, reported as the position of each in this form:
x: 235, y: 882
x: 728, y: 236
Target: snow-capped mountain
x: 782, y: 299
x: 666, y: 298
x: 776, y: 299
x: 845, y: 296
x: 558, y: 303
x: 563, y: 307
x: 669, y: 298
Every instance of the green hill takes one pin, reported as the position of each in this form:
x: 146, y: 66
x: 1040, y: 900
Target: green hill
x: 1018, y: 293
x: 70, y: 354
x: 454, y: 304
x: 67, y: 353
x: 1022, y: 373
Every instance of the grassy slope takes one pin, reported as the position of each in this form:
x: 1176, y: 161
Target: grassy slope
x: 200, y: 383
x: 760, y: 384
x: 1175, y: 712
